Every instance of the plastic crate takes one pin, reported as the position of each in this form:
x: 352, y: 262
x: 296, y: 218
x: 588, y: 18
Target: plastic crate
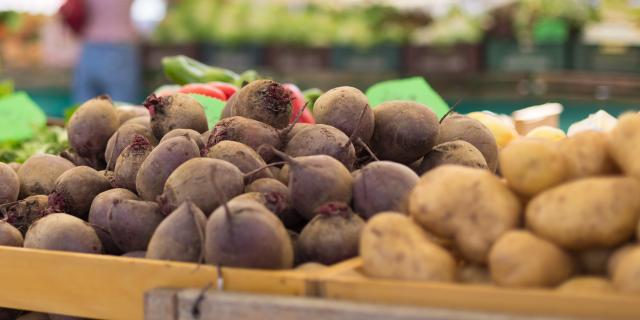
x: 606, y: 58
x: 237, y: 58
x: 454, y: 59
x: 374, y: 59
x: 508, y: 55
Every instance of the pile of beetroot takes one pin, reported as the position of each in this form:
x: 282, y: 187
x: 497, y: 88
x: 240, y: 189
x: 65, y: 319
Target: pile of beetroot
x: 253, y: 191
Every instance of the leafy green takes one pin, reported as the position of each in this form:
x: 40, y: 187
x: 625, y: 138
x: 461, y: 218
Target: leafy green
x: 51, y: 140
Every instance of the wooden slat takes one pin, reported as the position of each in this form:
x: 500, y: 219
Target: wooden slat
x: 108, y: 287
x: 479, y: 298
x: 242, y: 306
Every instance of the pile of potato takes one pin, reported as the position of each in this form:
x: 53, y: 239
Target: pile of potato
x: 561, y: 214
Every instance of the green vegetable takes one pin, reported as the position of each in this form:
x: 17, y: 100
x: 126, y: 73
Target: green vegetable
x: 52, y: 140
x: 247, y: 76
x: 183, y: 70
x: 311, y: 95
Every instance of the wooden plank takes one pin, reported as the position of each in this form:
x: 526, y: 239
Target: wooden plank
x: 478, y: 298
x: 241, y: 306
x: 108, y: 287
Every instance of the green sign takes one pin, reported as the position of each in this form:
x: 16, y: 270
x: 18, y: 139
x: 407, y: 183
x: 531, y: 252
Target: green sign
x: 413, y: 89
x: 212, y: 108
x: 19, y: 115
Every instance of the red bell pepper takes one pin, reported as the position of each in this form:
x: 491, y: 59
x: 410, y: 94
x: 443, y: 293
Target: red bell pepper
x: 204, y: 89
x: 227, y: 88
x: 297, y: 102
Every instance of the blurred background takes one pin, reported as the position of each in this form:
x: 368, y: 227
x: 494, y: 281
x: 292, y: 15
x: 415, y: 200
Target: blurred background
x: 498, y: 55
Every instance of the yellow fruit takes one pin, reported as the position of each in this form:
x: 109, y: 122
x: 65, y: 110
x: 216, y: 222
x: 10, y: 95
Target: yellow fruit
x: 547, y: 133
x: 501, y: 131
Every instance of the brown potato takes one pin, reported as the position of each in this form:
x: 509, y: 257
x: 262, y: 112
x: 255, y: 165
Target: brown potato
x: 586, y: 154
x: 624, y: 144
x: 394, y: 247
x: 617, y: 255
x: 520, y: 259
x: 626, y: 272
x: 586, y: 213
x: 471, y: 206
x: 473, y: 273
x: 532, y: 165
x: 587, y: 285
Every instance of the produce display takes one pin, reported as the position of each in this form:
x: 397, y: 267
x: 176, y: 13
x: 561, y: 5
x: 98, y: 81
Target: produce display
x: 418, y: 197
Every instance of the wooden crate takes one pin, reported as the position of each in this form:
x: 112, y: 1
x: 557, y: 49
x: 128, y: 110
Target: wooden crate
x: 108, y: 287
x: 346, y: 282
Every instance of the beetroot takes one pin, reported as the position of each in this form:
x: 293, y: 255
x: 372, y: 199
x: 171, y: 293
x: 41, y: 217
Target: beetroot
x: 240, y: 155
x: 99, y: 211
x: 160, y: 163
x: 132, y: 223
x: 180, y: 236
x: 64, y: 232
x: 75, y: 190
x: 315, y: 180
x: 9, y: 235
x: 195, y: 181
x: 246, y: 234
x: 91, y: 125
x: 9, y: 184
x: 453, y: 152
x: 176, y: 111
x: 323, y: 139
x: 263, y: 100
x: 39, y: 173
x: 250, y: 132
x: 130, y: 161
x: 126, y: 113
x: 23, y: 213
x: 404, y: 131
x: 459, y: 127
x: 341, y: 108
x: 191, y: 134
x: 382, y: 186
x: 278, y: 190
x: 124, y: 137
x: 333, y: 235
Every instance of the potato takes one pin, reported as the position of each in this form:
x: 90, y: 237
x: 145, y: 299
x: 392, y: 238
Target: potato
x: 626, y: 272
x: 586, y: 154
x: 394, y: 247
x: 532, y: 166
x: 586, y: 213
x: 9, y: 235
x: 587, y: 285
x: 468, y: 205
x: 520, y: 259
x: 624, y: 144
x: 617, y: 255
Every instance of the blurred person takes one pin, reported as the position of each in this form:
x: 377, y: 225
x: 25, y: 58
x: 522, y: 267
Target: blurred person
x: 109, y: 61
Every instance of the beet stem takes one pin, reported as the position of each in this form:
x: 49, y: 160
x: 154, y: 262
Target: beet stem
x: 282, y: 155
x: 366, y: 148
x: 288, y: 129
x: 252, y: 172
x: 451, y: 110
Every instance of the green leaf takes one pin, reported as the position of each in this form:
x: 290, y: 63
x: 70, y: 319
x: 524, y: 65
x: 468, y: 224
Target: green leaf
x: 212, y: 108
x: 68, y: 112
x: 413, y: 89
x: 20, y: 115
